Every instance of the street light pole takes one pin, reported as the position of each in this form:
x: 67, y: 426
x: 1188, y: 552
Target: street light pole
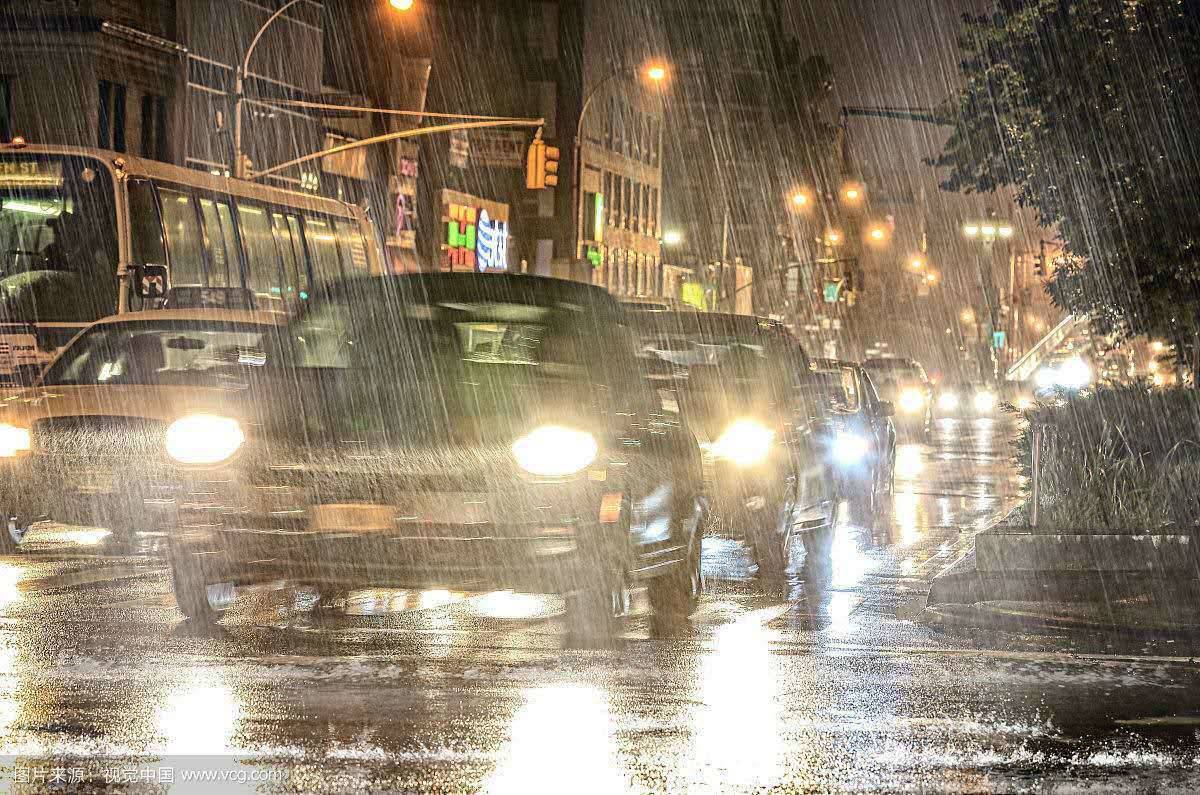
x: 655, y: 73
x: 239, y: 89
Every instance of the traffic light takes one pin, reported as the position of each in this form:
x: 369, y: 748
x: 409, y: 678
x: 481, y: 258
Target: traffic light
x: 541, y: 165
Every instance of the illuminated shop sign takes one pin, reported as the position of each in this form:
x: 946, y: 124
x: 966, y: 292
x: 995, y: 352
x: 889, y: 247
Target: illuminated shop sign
x: 476, y: 237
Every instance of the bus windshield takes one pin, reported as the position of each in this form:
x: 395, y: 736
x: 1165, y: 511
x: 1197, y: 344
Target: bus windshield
x: 58, y: 239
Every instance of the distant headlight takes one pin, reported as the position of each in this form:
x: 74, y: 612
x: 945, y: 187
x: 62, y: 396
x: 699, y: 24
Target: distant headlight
x: 948, y: 401
x: 850, y: 448
x: 985, y: 402
x: 745, y: 442
x: 13, y: 440
x: 204, y: 439
x: 553, y: 451
x: 912, y: 400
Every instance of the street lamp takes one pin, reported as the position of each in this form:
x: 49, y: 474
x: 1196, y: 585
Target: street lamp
x: 833, y: 237
x: 878, y: 234
x: 801, y: 199
x: 672, y: 237
x: 655, y: 73
x: 852, y: 193
x: 916, y: 263
x: 931, y: 278
x: 239, y: 85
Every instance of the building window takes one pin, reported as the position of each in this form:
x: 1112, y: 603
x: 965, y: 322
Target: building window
x: 111, y: 132
x: 652, y: 213
x: 608, y: 197
x: 652, y: 155
x: 6, y: 120
x: 154, y: 127
x: 635, y: 214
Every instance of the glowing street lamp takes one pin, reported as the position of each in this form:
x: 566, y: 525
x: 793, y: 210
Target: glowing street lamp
x: 672, y: 237
x: 655, y: 72
x: 971, y: 230
x: 1005, y: 231
x: 931, y: 278
x: 402, y: 5
x: 916, y: 263
x: 852, y: 192
x: 833, y: 237
x: 801, y: 199
x: 877, y: 234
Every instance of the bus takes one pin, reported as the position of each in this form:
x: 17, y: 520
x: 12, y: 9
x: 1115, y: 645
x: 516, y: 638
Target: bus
x: 82, y: 230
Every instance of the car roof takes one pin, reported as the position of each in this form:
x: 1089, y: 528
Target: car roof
x: 223, y: 316
x: 693, y: 322
x: 435, y: 287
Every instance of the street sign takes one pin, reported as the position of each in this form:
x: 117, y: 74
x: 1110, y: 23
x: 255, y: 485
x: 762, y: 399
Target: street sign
x: 999, y: 339
x: 832, y: 290
x: 499, y: 148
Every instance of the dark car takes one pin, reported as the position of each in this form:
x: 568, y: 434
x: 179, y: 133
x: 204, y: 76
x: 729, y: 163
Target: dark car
x: 904, y: 384
x: 739, y: 393
x: 449, y: 430
x: 861, y: 441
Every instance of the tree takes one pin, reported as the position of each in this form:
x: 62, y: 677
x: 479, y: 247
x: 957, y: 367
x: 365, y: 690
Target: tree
x: 1090, y: 109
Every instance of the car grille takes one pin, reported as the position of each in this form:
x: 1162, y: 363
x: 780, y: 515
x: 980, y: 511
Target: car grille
x: 99, y: 437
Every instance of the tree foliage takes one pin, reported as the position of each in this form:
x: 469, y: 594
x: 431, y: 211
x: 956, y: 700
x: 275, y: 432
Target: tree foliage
x: 1090, y: 109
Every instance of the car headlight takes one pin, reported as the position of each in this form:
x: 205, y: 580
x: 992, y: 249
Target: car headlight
x: 948, y: 401
x: 745, y: 442
x: 13, y: 440
x: 553, y: 451
x: 204, y: 439
x: 912, y: 400
x: 850, y: 448
x: 985, y: 402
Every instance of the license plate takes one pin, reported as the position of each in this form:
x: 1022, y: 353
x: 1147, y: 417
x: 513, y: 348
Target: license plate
x: 420, y: 509
x: 95, y: 482
x: 352, y: 517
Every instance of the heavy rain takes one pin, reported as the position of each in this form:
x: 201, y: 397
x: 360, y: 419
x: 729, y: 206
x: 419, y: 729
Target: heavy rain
x: 522, y: 396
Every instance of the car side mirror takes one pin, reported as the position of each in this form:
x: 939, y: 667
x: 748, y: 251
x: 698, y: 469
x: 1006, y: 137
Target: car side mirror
x: 887, y: 409
x: 150, y: 281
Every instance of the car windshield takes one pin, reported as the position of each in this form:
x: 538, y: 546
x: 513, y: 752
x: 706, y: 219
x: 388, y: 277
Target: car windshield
x: 835, y: 388
x: 163, y: 353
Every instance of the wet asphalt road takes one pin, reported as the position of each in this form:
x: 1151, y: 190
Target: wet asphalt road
x: 827, y: 688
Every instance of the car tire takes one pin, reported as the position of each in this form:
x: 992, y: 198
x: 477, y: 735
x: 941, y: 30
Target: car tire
x: 10, y: 538
x: 675, y: 596
x: 770, y: 547
x: 596, y: 609
x: 191, y: 589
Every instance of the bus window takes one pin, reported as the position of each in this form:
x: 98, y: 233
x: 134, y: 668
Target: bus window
x: 262, y: 254
x: 322, y: 248
x: 295, y: 269
x: 185, y: 245
x: 304, y: 267
x: 146, y: 232
x: 352, y: 247
x: 222, y: 243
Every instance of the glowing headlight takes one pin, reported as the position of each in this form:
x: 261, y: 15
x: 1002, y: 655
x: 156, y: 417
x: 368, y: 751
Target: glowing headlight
x: 850, y: 448
x: 552, y: 451
x: 204, y: 439
x: 912, y: 400
x: 984, y: 402
x: 746, y: 443
x: 948, y: 401
x: 13, y: 440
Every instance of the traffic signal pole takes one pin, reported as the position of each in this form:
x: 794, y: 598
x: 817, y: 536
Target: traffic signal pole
x: 379, y: 139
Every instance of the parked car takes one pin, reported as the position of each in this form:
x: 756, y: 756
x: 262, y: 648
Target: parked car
x: 861, y: 440
x: 764, y: 471
x: 445, y: 430
x: 83, y: 445
x: 904, y: 384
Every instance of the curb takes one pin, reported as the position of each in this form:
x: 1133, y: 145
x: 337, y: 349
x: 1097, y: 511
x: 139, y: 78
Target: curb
x: 995, y: 616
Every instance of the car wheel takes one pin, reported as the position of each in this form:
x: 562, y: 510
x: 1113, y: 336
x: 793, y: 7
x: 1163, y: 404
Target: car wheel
x: 769, y: 546
x: 191, y: 589
x: 597, y: 608
x: 677, y: 594
x: 10, y: 535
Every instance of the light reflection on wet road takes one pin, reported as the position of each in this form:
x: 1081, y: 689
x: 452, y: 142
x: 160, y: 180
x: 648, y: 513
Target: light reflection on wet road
x: 836, y: 685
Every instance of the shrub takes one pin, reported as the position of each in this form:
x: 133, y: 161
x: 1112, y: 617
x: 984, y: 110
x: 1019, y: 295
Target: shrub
x: 1122, y: 457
